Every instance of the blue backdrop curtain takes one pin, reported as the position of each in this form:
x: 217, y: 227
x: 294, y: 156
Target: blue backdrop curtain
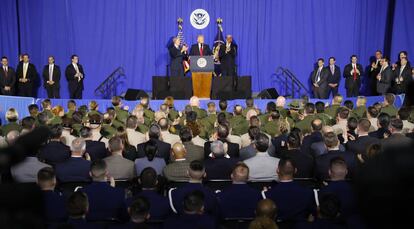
x: 134, y: 34
x: 403, y: 32
x: 8, y: 30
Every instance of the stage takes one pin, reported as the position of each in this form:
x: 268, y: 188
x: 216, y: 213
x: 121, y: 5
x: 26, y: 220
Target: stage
x: 21, y: 103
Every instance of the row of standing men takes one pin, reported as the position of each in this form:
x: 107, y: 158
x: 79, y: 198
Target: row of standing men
x: 24, y: 80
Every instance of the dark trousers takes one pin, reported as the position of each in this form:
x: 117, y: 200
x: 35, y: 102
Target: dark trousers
x: 333, y: 91
x: 320, y: 92
x: 75, y: 91
x: 10, y: 92
x: 352, y: 90
x: 25, y: 89
x: 227, y: 69
x: 53, y: 92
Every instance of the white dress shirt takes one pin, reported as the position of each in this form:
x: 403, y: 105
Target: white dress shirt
x: 51, y: 66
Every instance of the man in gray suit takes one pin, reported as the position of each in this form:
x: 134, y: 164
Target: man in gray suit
x: 118, y: 166
x: 178, y: 169
x: 194, y: 152
x: 397, y: 138
x: 384, y: 78
x: 262, y: 166
x: 26, y: 171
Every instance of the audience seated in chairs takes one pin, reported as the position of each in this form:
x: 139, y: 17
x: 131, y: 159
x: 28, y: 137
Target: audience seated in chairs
x: 303, y: 161
x: 139, y: 214
x: 194, y: 152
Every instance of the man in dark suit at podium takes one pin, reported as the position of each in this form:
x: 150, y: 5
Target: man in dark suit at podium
x: 7, y: 77
x: 75, y: 75
x: 177, y: 54
x: 227, y: 54
x: 51, y: 78
x: 200, y: 49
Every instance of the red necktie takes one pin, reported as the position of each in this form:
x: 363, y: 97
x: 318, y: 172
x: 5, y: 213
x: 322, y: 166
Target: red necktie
x: 355, y: 73
x: 201, y: 50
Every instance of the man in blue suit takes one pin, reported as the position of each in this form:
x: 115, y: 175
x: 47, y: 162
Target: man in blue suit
x: 239, y: 200
x: 160, y: 208
x: 294, y: 202
x: 76, y: 168
x: 105, y: 201
x: 54, y: 202
x: 341, y: 188
x: 54, y: 151
x: 196, y: 173
x: 219, y: 165
x: 193, y: 214
x: 323, y: 161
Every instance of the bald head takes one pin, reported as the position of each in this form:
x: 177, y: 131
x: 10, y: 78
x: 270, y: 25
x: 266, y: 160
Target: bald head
x: 178, y: 151
x: 240, y: 173
x: 327, y: 129
x: 266, y: 208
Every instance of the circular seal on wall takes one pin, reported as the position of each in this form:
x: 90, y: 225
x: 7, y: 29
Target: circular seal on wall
x: 201, y: 62
x: 199, y: 18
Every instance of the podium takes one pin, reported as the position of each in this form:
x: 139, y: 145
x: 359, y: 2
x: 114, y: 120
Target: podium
x: 202, y: 68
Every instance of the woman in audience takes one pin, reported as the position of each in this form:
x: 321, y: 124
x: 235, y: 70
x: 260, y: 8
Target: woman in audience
x: 150, y: 160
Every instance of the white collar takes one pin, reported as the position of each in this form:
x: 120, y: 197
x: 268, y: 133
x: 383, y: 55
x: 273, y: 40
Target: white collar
x: 182, y: 159
x: 212, y: 156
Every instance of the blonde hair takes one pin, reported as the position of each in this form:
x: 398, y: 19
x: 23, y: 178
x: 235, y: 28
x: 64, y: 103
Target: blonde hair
x: 12, y: 115
x: 57, y: 110
x: 93, y: 105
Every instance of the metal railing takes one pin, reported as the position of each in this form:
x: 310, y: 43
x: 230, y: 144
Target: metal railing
x: 291, y: 83
x: 108, y: 87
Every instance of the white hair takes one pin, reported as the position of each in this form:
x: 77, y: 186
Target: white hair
x: 78, y: 145
x: 280, y: 101
x: 195, y: 101
x: 217, y: 148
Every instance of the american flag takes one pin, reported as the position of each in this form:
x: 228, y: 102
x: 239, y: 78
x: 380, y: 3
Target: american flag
x: 180, y: 35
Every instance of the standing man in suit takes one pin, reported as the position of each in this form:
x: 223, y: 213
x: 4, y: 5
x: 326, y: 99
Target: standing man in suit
x: 402, y: 77
x: 200, y: 49
x: 352, y: 75
x: 51, y: 78
x: 75, y: 76
x: 227, y: 55
x: 26, y: 73
x: 7, y: 78
x: 177, y: 53
x: 334, y: 76
x: 384, y: 77
x: 374, y: 71
x: 320, y: 81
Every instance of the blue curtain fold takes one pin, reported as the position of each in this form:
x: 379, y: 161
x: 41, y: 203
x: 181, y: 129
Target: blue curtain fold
x: 133, y: 34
